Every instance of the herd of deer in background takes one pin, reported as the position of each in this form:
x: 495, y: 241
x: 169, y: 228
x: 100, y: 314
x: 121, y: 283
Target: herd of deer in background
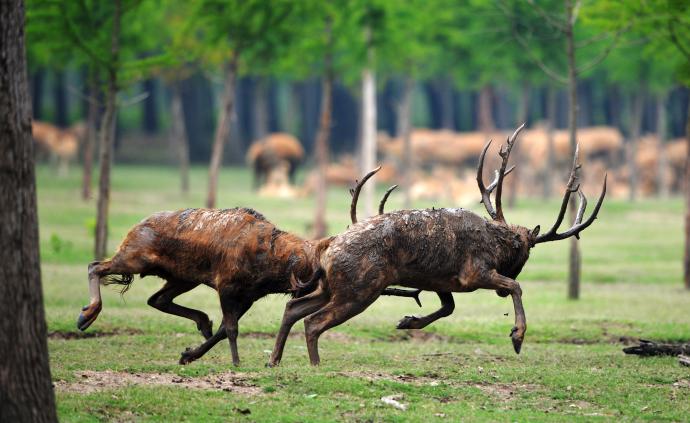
x: 443, y: 160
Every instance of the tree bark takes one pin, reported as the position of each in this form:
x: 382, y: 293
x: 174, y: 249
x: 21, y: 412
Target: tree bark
x: 222, y: 129
x: 369, y: 127
x: 635, y: 122
x: 550, y: 142
x: 574, y: 258
x: 662, y: 162
x: 404, y: 131
x: 26, y: 393
x: 179, y: 135
x: 90, y: 136
x: 321, y: 147
x: 522, y: 115
x: 486, y: 118
x: 107, y: 139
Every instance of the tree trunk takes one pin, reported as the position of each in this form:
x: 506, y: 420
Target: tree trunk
x: 90, y: 136
x: 106, y: 140
x: 260, y: 106
x: 26, y: 393
x: 222, y: 130
x: 321, y: 147
x: 635, y: 121
x: 404, y: 131
x: 574, y: 261
x: 662, y: 162
x: 149, y: 107
x: 686, y: 261
x: 179, y: 135
x: 550, y: 142
x: 523, y: 112
x: 445, y: 93
x: 486, y: 118
x: 369, y: 128
x: 60, y: 99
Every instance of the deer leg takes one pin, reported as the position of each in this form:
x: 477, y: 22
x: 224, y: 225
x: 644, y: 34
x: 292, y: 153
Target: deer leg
x: 232, y: 311
x: 330, y: 315
x: 295, y: 309
x: 163, y: 301
x: 414, y: 322
x: 503, y: 283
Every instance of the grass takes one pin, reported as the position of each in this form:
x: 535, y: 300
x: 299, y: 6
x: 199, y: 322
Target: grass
x: 460, y: 368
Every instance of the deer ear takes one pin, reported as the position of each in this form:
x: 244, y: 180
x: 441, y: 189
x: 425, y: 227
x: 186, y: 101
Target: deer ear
x: 535, y: 231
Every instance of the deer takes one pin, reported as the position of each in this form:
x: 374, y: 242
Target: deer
x: 441, y: 250
x: 237, y: 252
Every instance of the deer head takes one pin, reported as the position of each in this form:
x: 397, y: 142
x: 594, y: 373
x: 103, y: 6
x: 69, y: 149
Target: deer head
x: 572, y: 186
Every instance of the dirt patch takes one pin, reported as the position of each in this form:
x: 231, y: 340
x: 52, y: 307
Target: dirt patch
x: 501, y: 391
x: 419, y: 335
x: 65, y: 335
x: 89, y: 381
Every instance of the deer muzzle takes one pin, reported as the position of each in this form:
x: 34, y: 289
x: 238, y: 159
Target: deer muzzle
x: 90, y: 312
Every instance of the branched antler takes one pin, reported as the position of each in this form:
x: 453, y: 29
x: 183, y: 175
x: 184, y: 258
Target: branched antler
x: 578, y: 226
x: 504, y: 152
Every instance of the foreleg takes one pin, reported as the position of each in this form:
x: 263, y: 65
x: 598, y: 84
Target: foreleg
x: 500, y: 283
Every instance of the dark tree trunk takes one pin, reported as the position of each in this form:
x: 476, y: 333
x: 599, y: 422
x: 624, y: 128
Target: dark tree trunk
x: 260, y: 109
x: 93, y: 98
x: 37, y: 81
x: 662, y: 162
x: 686, y: 261
x: 197, y: 103
x: 523, y: 112
x: 404, y: 131
x: 486, y: 118
x: 179, y: 135
x: 634, y: 136
x: 445, y: 93
x: 550, y: 142
x: 222, y: 130
x: 321, y: 147
x: 574, y: 261
x: 149, y: 108
x: 107, y: 140
x: 60, y: 100
x: 434, y: 105
x: 26, y: 393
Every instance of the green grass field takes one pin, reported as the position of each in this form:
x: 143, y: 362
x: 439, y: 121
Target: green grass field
x: 460, y: 368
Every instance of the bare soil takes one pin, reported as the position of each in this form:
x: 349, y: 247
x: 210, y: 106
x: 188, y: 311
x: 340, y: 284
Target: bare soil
x: 89, y: 381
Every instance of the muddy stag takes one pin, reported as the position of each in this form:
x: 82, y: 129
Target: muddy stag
x: 441, y: 250
x: 235, y: 251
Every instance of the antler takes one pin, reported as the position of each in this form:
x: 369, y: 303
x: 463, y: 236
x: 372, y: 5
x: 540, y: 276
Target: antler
x: 355, y: 193
x: 385, y: 198
x: 578, y: 226
x: 497, y: 184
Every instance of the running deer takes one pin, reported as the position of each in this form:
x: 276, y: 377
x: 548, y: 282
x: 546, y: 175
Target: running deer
x: 441, y: 250
x: 236, y: 251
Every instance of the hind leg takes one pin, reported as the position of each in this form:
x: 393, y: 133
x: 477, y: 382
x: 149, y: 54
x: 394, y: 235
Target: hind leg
x: 330, y: 315
x: 232, y: 311
x: 163, y: 301
x: 414, y: 322
x: 296, y: 309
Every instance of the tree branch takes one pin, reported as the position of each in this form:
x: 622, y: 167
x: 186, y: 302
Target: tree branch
x: 556, y: 23
x: 603, y: 54
x: 674, y: 39
x: 548, y: 71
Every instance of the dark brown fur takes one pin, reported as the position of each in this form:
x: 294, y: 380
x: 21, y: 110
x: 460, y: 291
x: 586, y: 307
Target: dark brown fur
x: 441, y: 250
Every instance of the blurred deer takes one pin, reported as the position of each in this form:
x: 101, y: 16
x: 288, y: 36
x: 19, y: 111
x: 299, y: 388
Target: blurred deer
x: 61, y: 144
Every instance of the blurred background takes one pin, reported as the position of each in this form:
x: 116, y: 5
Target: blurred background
x: 281, y: 105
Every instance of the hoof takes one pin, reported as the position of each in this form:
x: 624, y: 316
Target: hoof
x: 83, y: 322
x: 206, y: 329
x: 517, y: 339
x: 409, y: 322
x: 502, y: 292
x: 271, y: 365
x: 187, y: 356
